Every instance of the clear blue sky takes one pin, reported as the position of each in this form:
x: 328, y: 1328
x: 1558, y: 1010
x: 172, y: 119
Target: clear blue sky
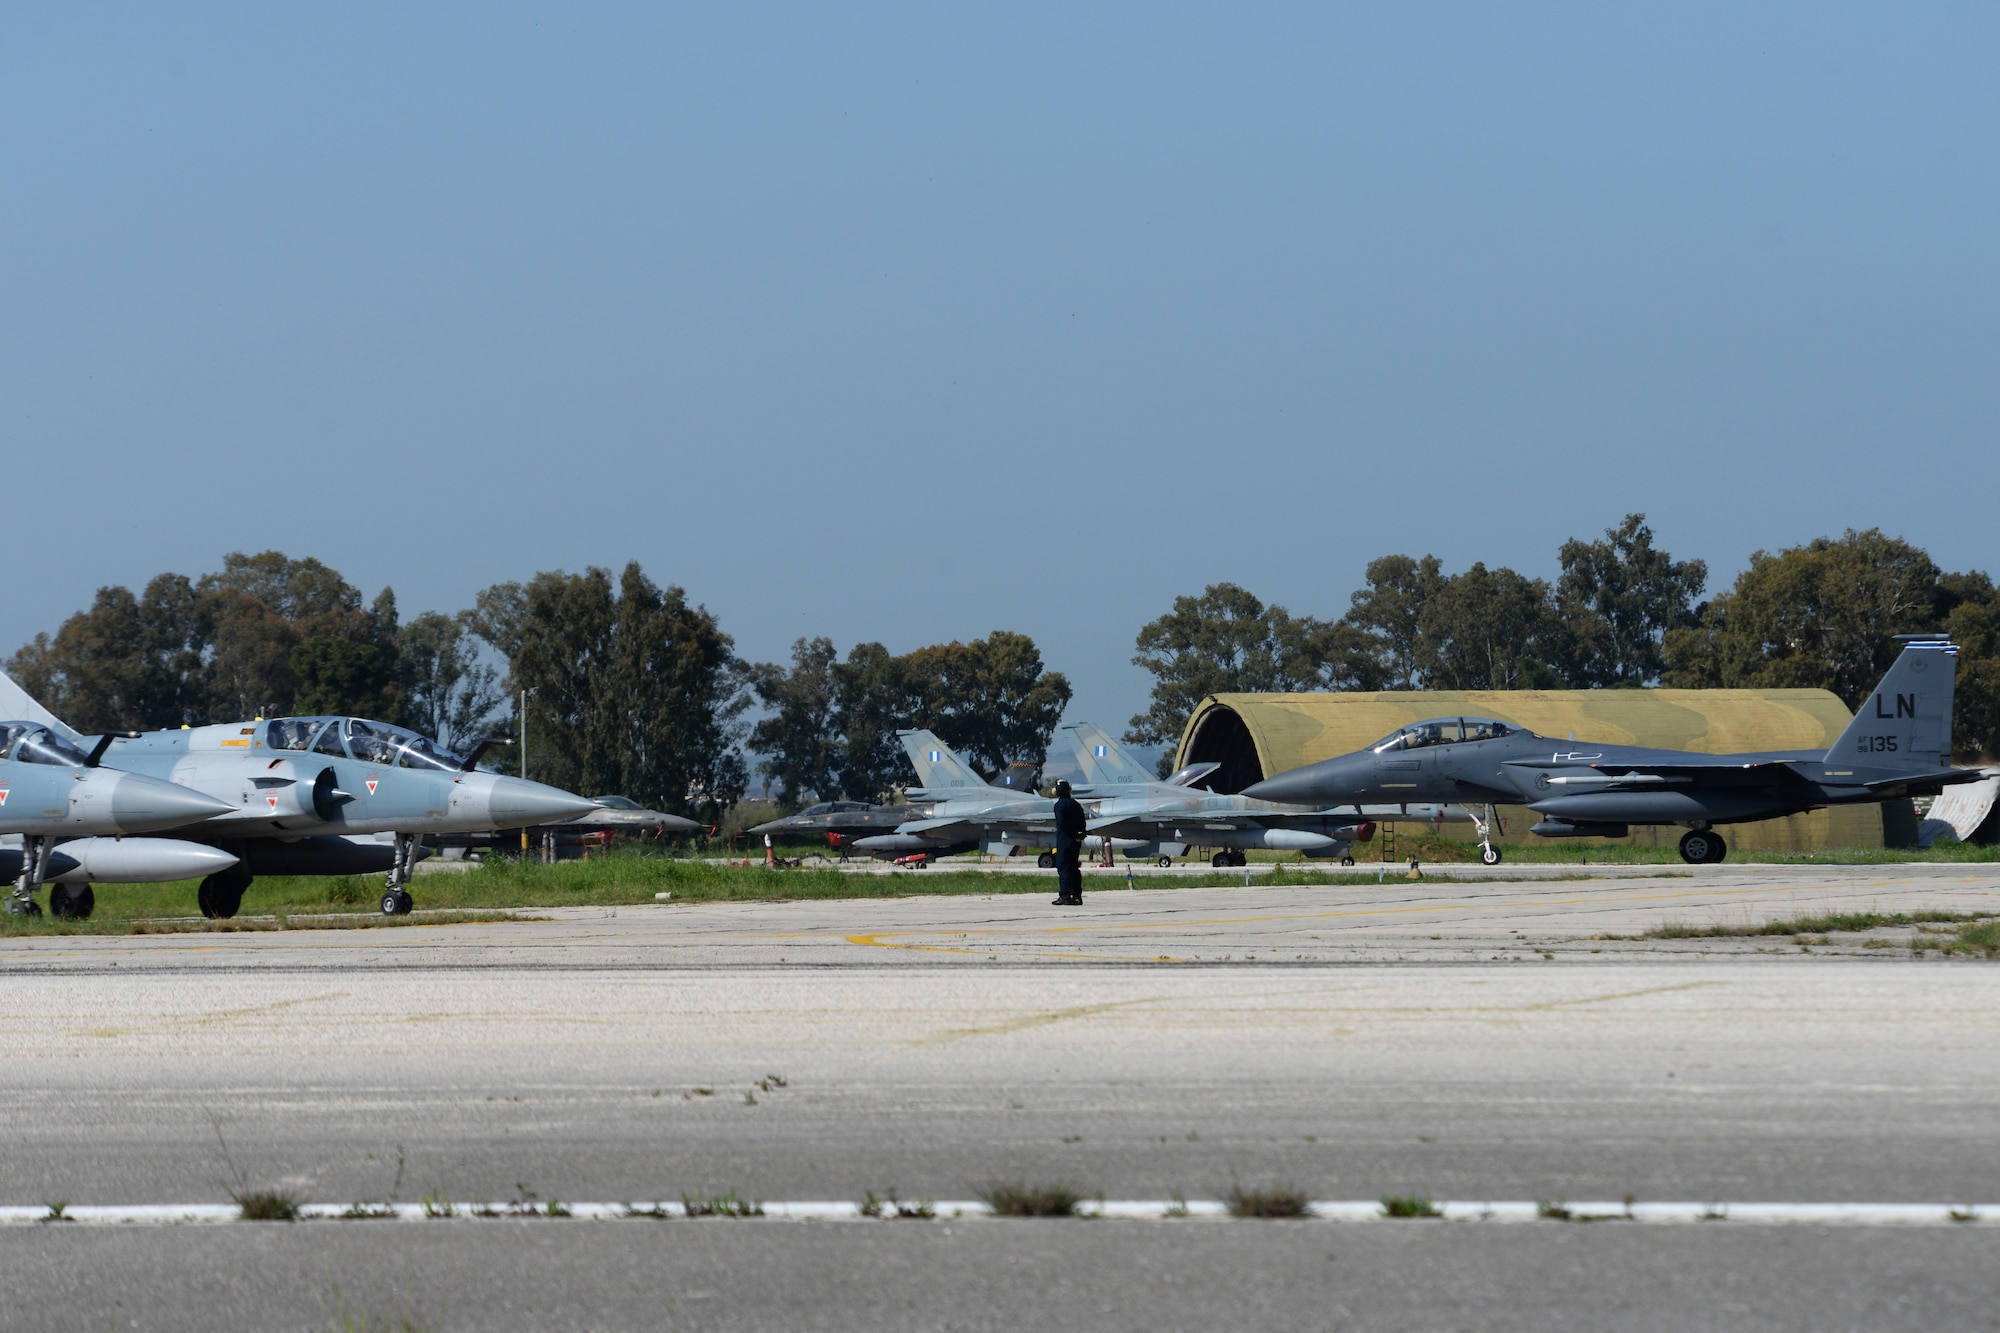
x: 912, y: 323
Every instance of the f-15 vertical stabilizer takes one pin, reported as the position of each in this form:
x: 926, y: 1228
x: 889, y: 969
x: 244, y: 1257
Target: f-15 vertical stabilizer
x: 938, y: 769
x: 1104, y: 764
x: 1904, y: 725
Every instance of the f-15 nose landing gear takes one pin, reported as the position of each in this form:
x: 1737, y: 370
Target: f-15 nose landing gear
x: 1488, y: 853
x: 396, y: 899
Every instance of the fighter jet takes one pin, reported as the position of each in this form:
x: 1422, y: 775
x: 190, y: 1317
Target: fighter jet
x: 1898, y: 745
x: 297, y: 786
x: 1164, y: 819
x: 966, y: 812
x: 51, y: 788
x: 844, y: 821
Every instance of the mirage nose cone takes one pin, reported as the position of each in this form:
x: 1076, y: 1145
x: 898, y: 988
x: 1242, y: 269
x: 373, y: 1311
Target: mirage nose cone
x: 516, y: 803
x: 140, y: 803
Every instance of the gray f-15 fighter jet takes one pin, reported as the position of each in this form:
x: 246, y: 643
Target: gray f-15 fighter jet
x: 1898, y: 745
x: 1164, y: 819
x: 52, y: 788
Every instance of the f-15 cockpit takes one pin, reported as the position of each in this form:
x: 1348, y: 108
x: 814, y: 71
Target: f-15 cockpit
x: 370, y: 742
x: 1446, y: 731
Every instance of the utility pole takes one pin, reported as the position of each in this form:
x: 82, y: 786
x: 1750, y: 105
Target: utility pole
x: 524, y: 734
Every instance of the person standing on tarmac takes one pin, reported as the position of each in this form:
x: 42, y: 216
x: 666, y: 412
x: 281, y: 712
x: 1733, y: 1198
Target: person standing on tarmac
x: 1069, y: 848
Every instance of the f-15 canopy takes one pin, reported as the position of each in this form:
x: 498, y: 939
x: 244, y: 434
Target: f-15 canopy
x: 1446, y: 731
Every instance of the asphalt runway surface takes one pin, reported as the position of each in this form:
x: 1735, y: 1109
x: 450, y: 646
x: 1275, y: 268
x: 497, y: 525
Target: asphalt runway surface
x: 1477, y: 1038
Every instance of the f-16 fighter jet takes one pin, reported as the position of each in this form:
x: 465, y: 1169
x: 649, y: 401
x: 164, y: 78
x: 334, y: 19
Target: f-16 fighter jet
x: 1166, y: 818
x: 51, y: 788
x: 844, y: 821
x: 297, y: 786
x: 966, y: 812
x: 1899, y: 744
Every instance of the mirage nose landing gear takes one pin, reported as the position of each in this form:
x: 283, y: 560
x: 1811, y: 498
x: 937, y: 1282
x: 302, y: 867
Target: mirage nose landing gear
x: 34, y: 863
x: 396, y: 899
x: 1700, y: 846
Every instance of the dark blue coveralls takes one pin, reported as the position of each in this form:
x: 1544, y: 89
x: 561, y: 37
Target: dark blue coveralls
x: 1070, y: 822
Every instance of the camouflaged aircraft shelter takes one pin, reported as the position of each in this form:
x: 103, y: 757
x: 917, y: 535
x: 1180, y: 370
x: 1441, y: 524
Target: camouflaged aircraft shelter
x: 1254, y: 736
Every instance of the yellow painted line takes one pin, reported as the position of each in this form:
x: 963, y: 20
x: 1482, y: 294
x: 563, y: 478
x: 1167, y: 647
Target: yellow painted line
x: 1028, y: 1021
x: 880, y: 941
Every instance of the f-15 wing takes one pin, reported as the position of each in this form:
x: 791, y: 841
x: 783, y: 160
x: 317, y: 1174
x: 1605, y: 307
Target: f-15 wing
x: 1610, y: 776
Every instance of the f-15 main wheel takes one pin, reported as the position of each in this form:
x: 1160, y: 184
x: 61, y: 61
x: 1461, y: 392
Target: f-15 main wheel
x: 73, y: 901
x: 1046, y: 861
x: 1700, y: 846
x: 1166, y: 861
x: 397, y: 902
x: 1489, y: 855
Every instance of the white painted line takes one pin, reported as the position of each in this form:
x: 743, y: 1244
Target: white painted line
x: 1327, y: 1210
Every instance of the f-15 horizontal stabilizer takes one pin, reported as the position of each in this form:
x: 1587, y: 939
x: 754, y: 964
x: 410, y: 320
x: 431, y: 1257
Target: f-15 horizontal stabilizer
x: 1904, y: 724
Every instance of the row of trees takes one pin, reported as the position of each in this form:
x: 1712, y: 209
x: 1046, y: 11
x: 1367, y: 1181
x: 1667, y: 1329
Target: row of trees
x: 1621, y: 614
x: 628, y: 687
x: 265, y: 634
x: 832, y: 724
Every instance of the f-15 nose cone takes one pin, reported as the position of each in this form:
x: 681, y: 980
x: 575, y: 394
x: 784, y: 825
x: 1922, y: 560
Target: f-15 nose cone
x: 139, y: 804
x: 517, y: 803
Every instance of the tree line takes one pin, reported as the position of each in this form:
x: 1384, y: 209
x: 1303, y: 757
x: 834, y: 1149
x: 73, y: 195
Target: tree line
x: 628, y: 687
x: 1621, y: 614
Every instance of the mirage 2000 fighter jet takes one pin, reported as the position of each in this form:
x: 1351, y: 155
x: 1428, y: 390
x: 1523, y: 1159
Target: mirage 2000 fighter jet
x: 297, y: 788
x: 50, y: 789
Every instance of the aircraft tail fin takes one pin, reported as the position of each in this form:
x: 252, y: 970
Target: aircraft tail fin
x: 1103, y: 761
x: 938, y: 769
x: 18, y: 705
x: 1905, y: 722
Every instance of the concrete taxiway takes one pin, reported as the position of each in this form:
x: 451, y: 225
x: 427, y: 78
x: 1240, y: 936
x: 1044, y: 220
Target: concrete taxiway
x: 1484, y: 1037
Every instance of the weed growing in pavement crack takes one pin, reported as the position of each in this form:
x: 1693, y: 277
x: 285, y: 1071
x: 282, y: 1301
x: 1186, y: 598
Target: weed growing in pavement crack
x: 58, y: 1211
x: 1031, y: 1200
x: 874, y: 1205
x: 1409, y: 1205
x: 254, y: 1205
x: 436, y: 1205
x: 1276, y: 1201
x: 725, y: 1204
